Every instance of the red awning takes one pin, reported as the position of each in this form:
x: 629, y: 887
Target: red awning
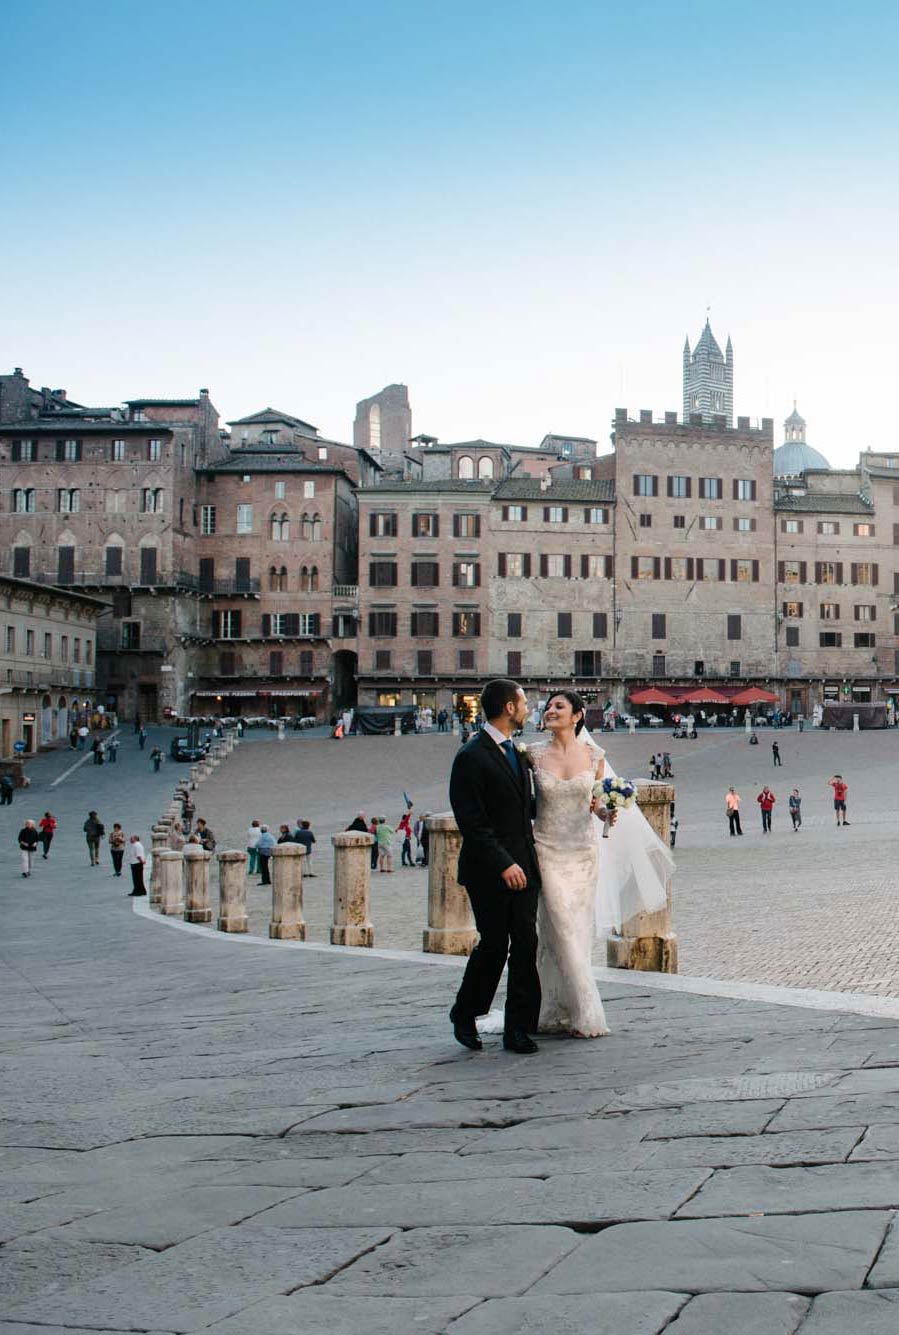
x: 651, y: 695
x: 754, y: 695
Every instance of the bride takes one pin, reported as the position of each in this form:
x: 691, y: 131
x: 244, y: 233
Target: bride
x: 579, y: 896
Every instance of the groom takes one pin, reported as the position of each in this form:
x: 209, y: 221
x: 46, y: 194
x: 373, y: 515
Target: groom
x: 492, y: 800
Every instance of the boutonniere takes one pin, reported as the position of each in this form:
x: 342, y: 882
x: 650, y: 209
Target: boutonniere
x: 524, y: 754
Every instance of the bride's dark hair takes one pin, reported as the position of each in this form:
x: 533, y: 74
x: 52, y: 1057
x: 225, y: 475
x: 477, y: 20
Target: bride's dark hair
x: 576, y: 703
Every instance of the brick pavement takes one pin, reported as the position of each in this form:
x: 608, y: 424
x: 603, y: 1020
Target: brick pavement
x: 815, y: 909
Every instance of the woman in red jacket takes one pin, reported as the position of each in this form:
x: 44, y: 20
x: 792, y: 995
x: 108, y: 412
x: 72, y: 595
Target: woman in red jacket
x: 47, y: 827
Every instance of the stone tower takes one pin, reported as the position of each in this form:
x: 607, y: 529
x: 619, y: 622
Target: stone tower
x: 709, y: 378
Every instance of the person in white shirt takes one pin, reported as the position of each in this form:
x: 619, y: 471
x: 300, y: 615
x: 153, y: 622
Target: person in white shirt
x: 253, y: 834
x: 136, y: 858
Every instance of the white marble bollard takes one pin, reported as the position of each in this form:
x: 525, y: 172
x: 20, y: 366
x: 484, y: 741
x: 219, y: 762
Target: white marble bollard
x: 647, y: 941
x: 352, y: 889
x: 287, y: 922
x: 232, y: 891
x: 196, y: 884
x: 450, y: 929
x: 171, y: 883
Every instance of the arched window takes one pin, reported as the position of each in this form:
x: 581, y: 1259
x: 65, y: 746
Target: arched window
x: 466, y: 466
x: 307, y: 528
x: 68, y: 500
x: 280, y: 528
x: 313, y: 580
x: 151, y: 500
x: 23, y: 500
x: 304, y: 579
x: 485, y: 467
x: 277, y: 579
x: 316, y: 528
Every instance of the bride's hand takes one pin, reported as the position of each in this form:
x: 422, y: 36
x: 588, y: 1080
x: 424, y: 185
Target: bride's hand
x: 608, y: 815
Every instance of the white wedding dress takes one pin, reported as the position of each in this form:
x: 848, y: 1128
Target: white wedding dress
x: 567, y: 851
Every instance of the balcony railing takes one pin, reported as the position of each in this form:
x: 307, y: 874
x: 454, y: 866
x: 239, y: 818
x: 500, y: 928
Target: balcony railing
x: 348, y: 591
x: 39, y: 678
x: 228, y: 588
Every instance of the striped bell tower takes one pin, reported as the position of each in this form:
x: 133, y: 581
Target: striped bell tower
x: 709, y: 378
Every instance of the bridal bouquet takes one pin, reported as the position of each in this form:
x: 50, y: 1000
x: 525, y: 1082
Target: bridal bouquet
x: 619, y: 794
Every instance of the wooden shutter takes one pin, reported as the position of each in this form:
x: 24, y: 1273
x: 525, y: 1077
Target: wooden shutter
x: 755, y: 572
x: 609, y: 567
x: 315, y: 623
x: 700, y: 567
x: 290, y: 623
x: 689, y: 487
x: 372, y: 525
x: 752, y: 491
x: 722, y: 569
x: 587, y: 519
x: 527, y: 565
x: 505, y: 512
x: 670, y: 485
x: 413, y: 623
x: 546, y: 514
x: 781, y: 572
x: 585, y: 567
x: 392, y: 525
x: 655, y: 484
x: 544, y: 566
x: 477, y: 574
x: 817, y: 572
x: 566, y: 566
x: 667, y: 567
x: 853, y: 573
x: 839, y: 572
x: 148, y: 565
x: 436, y: 526
x: 456, y: 526
x: 803, y: 572
x: 266, y: 623
x: 691, y: 568
x: 600, y: 625
x: 455, y: 623
x: 15, y: 452
x: 455, y: 574
x: 733, y: 572
x: 657, y: 567
x: 501, y: 565
x: 564, y: 514
x: 636, y: 483
x: 736, y: 495
x: 21, y: 562
x: 477, y: 526
x: 415, y: 526
x: 635, y: 567
x: 207, y: 574
x: 476, y: 620
x: 720, y: 486
x: 875, y: 572
x: 753, y: 525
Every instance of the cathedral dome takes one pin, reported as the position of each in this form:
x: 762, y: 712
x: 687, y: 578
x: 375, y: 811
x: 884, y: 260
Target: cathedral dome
x: 795, y: 455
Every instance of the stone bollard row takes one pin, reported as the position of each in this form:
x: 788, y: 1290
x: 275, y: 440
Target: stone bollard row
x: 159, y: 840
x: 232, y: 891
x: 287, y: 922
x: 352, y: 889
x: 196, y: 884
x: 646, y: 941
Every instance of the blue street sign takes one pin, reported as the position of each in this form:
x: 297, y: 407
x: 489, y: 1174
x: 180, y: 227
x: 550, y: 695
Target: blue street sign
x: 20, y: 746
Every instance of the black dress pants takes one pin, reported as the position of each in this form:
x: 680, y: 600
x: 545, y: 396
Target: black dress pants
x: 507, y: 923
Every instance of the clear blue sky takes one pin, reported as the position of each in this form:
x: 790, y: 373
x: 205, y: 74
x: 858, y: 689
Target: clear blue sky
x: 517, y: 209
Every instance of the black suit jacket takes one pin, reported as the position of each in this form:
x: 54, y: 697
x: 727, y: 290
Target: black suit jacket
x: 494, y: 809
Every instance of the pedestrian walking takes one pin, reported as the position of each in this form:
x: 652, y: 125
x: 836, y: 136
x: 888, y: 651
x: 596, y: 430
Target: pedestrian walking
x: 373, y: 830
x: 7, y: 788
x: 732, y: 807
x: 28, y: 839
x: 653, y: 768
x: 840, y: 789
x: 94, y: 830
x: 667, y: 772
x: 795, y: 805
x: 264, y: 845
x: 385, y: 845
x: 97, y: 753
x: 141, y: 736
x: 775, y: 754
x: 156, y: 757
x: 83, y: 733
x: 672, y: 831
x: 303, y: 835
x: 358, y: 824
x: 253, y: 834
x: 207, y: 838
x: 136, y: 860
x: 405, y: 829
x: 117, y: 847
x: 47, y: 827
x: 766, y: 800
x: 112, y: 750
x: 73, y: 737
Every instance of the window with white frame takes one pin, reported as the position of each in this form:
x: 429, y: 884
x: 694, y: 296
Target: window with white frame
x: 154, y: 451
x: 230, y: 625
x: 555, y: 565
x: 744, y: 525
x: 597, y: 515
x: 711, y: 521
x: 555, y: 514
x: 308, y: 623
x: 118, y: 451
x: 71, y: 450
x: 23, y: 500
x: 280, y: 491
x: 245, y: 519
x: 68, y: 500
x: 467, y: 576
x: 515, y: 565
x: 308, y: 490
x: 207, y: 519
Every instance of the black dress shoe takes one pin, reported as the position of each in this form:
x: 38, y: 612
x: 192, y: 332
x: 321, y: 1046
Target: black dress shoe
x: 516, y: 1040
x: 465, y: 1032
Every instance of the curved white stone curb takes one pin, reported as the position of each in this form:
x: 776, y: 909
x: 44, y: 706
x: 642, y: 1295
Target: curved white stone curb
x: 851, y: 1003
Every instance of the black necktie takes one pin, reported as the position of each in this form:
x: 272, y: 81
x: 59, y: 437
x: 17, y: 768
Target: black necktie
x: 509, y: 747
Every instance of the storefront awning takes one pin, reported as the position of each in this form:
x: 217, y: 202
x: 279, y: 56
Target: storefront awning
x: 213, y: 695
x: 290, y: 691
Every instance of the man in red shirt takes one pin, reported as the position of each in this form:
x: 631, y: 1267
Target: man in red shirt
x: 766, y: 800
x: 840, y: 790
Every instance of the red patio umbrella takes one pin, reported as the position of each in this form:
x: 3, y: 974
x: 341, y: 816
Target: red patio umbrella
x: 754, y: 695
x: 704, y: 695
x: 651, y: 695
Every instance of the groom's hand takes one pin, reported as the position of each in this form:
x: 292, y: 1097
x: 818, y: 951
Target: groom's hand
x: 515, y: 878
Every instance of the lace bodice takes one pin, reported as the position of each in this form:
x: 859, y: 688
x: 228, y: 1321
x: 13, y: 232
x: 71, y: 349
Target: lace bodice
x: 564, y: 820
